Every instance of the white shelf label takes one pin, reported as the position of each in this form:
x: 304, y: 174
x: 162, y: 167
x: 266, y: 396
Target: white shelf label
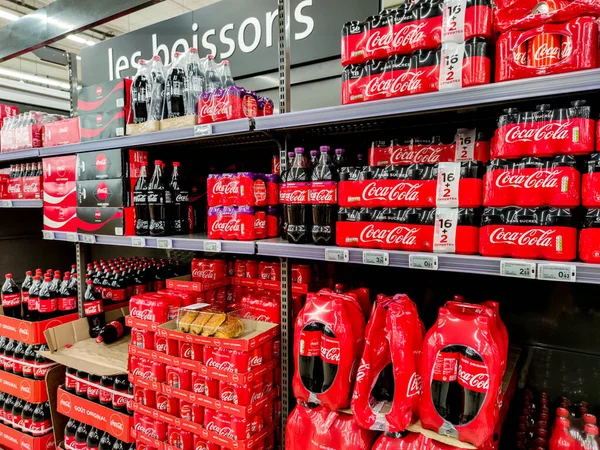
x: 517, y: 269
x: 452, y: 55
x: 444, y: 231
x: 138, y: 241
x: 89, y: 238
x: 164, y: 243
x: 447, y: 184
x: 72, y: 237
x: 465, y: 144
x: 376, y: 258
x: 557, y: 272
x: 212, y: 246
x: 426, y: 262
x: 203, y: 130
x: 48, y: 234
x: 453, y: 20
x: 7, y: 203
x: 337, y: 255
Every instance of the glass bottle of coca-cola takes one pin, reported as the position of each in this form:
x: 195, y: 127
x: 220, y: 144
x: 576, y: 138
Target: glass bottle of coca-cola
x: 9, y: 350
x: 121, y: 385
x: 106, y: 382
x: 298, y: 199
x: 157, y: 202
x: 93, y: 390
x: 81, y: 436
x: 32, y: 314
x: 119, y: 445
x: 28, y: 360
x: 17, y: 413
x: 8, y: 407
x: 47, y: 304
x: 11, y: 298
x: 446, y: 393
x: 310, y: 364
x: 93, y: 439
x: 27, y: 415
x: 70, y: 432
x: 25, y: 292
x: 323, y: 196
x: 41, y: 421
x: 140, y: 201
x: 107, y: 442
x: 18, y: 357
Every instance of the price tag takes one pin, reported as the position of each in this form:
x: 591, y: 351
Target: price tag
x: 451, y: 66
x: 337, y: 255
x: 375, y: 258
x: 48, y: 234
x: 212, y: 246
x: 557, y: 272
x: 89, y: 238
x: 203, y: 130
x: 7, y: 203
x: 517, y: 269
x: 164, y: 243
x: 453, y: 20
x: 427, y: 262
x: 447, y: 184
x: 465, y: 144
x: 72, y: 237
x: 444, y: 232
x: 138, y: 241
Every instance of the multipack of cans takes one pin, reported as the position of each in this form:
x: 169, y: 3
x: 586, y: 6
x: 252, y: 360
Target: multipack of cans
x: 444, y: 230
x: 242, y: 223
x: 243, y: 189
x: 531, y: 233
x: 230, y: 103
x: 569, y: 129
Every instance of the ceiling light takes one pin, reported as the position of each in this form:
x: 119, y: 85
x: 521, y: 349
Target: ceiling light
x: 8, y: 16
x: 34, y: 78
x: 80, y: 40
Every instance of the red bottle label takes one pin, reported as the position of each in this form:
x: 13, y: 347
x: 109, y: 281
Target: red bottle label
x: 119, y: 401
x: 120, y: 329
x: 446, y: 366
x: 47, y: 305
x: 70, y: 382
x: 118, y: 295
x: 27, y: 369
x: 40, y: 372
x: 93, y: 308
x: 67, y: 303
x: 11, y: 300
x: 330, y: 349
x: 80, y: 388
x: 105, y: 396
x: 297, y: 194
x: 27, y: 425
x: 25, y: 298
x: 31, y: 303
x: 473, y: 375
x: 39, y: 428
x: 310, y: 343
x: 323, y: 193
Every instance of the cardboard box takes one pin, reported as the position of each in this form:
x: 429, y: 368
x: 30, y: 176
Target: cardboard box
x: 143, y: 128
x: 104, y: 96
x: 185, y: 283
x: 103, y: 125
x: 105, y: 164
x: 15, y: 188
x: 33, y: 391
x: 71, y: 345
x: 15, y: 440
x: 31, y: 188
x: 107, y: 221
x: 60, y: 194
x: 30, y: 332
x: 62, y: 132
x: 106, y: 419
x: 60, y: 169
x: 113, y: 193
x: 255, y: 334
x: 179, y: 122
x: 58, y: 218
x: 54, y: 378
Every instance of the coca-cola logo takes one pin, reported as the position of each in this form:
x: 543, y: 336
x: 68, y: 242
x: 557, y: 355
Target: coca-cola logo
x: 25, y: 443
x: 323, y: 195
x: 409, y: 35
x: 23, y: 332
x: 549, y: 131
x: 65, y: 403
x: 117, y: 425
x: 567, y: 48
x: 532, y: 237
x: 549, y: 53
x: 204, y: 273
x: 99, y: 119
x: 330, y: 354
x: 25, y: 389
x: 479, y: 381
x: 362, y: 371
x: 416, y: 155
x: 181, y: 198
x: 99, y: 91
x: 539, y: 179
x: 232, y: 225
x: 98, y: 214
x: 415, y: 385
x: 101, y: 162
x: 379, y: 40
x: 142, y: 314
x: 407, y: 82
x: 102, y: 191
x: 255, y: 361
x: 211, y: 426
x: 258, y: 223
x: 398, y: 192
x: 31, y: 187
x: 520, y: 58
x: 298, y: 196
x: 398, y: 235
x: 224, y: 365
x: 206, y: 110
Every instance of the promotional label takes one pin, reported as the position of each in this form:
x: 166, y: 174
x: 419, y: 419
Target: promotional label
x: 453, y: 21
x: 447, y: 184
x: 297, y: 193
x: 93, y: 308
x: 67, y: 303
x: 444, y: 237
x: 451, y: 66
x: 465, y: 144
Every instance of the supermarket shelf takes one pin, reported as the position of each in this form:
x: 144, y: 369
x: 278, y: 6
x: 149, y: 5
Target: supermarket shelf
x: 20, y: 154
x: 585, y: 273
x: 159, y: 137
x: 21, y: 203
x: 587, y: 80
x: 196, y: 242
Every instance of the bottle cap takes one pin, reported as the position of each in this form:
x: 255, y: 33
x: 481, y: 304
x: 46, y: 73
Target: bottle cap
x: 28, y: 272
x: 157, y: 58
x: 176, y: 164
x: 9, y: 275
x: 299, y: 150
x: 141, y: 62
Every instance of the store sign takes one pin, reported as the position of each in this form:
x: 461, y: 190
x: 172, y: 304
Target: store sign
x: 245, y: 32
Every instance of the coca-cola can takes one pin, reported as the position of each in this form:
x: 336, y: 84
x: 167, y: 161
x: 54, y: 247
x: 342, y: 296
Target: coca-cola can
x: 160, y: 430
x: 165, y: 345
x: 179, y: 378
x: 146, y: 397
x: 269, y: 271
x: 142, y: 338
x: 197, y: 413
x: 275, y: 165
x: 233, y: 427
x: 252, y: 269
x: 191, y: 351
x: 272, y: 222
x: 204, y: 385
x: 240, y: 268
x: 180, y: 439
x: 202, y: 444
x: 158, y: 372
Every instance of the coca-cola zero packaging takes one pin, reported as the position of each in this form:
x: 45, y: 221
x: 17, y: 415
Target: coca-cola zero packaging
x: 103, y: 125
x: 104, y: 96
x: 111, y: 193
x: 109, y: 221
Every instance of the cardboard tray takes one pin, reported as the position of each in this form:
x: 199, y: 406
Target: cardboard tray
x: 71, y: 345
x: 197, y: 429
x: 185, y: 283
x: 297, y: 288
x: 33, y: 391
x: 256, y: 333
x: 196, y: 366
x: 179, y: 122
x: 15, y: 440
x: 142, y: 128
x: 31, y: 332
x: 115, y: 423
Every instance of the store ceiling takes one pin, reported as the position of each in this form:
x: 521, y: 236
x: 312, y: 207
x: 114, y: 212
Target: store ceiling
x: 30, y: 65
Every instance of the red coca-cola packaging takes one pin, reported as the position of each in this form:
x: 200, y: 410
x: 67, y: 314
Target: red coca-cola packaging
x: 318, y: 428
x: 151, y: 307
x: 409, y: 229
x: 548, y: 49
x: 235, y: 223
x: 261, y: 309
x: 239, y: 103
x: 532, y: 182
x: 589, y: 237
x: 204, y: 385
x: 539, y: 233
x: 149, y: 370
x: 190, y: 350
x: 166, y: 403
x: 328, y: 343
x: 61, y: 132
x: 232, y: 360
x: 164, y: 345
x: 469, y: 145
x: 178, y: 378
x: 180, y: 439
x: 590, y: 185
x: 209, y: 269
x: 201, y: 444
x: 416, y: 186
x: 231, y: 427
x: 146, y: 397
x: 410, y: 441
x: 58, y: 218
x: 463, y: 359
x: 544, y: 132
x: 393, y: 343
x: 60, y: 193
x: 143, y: 338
